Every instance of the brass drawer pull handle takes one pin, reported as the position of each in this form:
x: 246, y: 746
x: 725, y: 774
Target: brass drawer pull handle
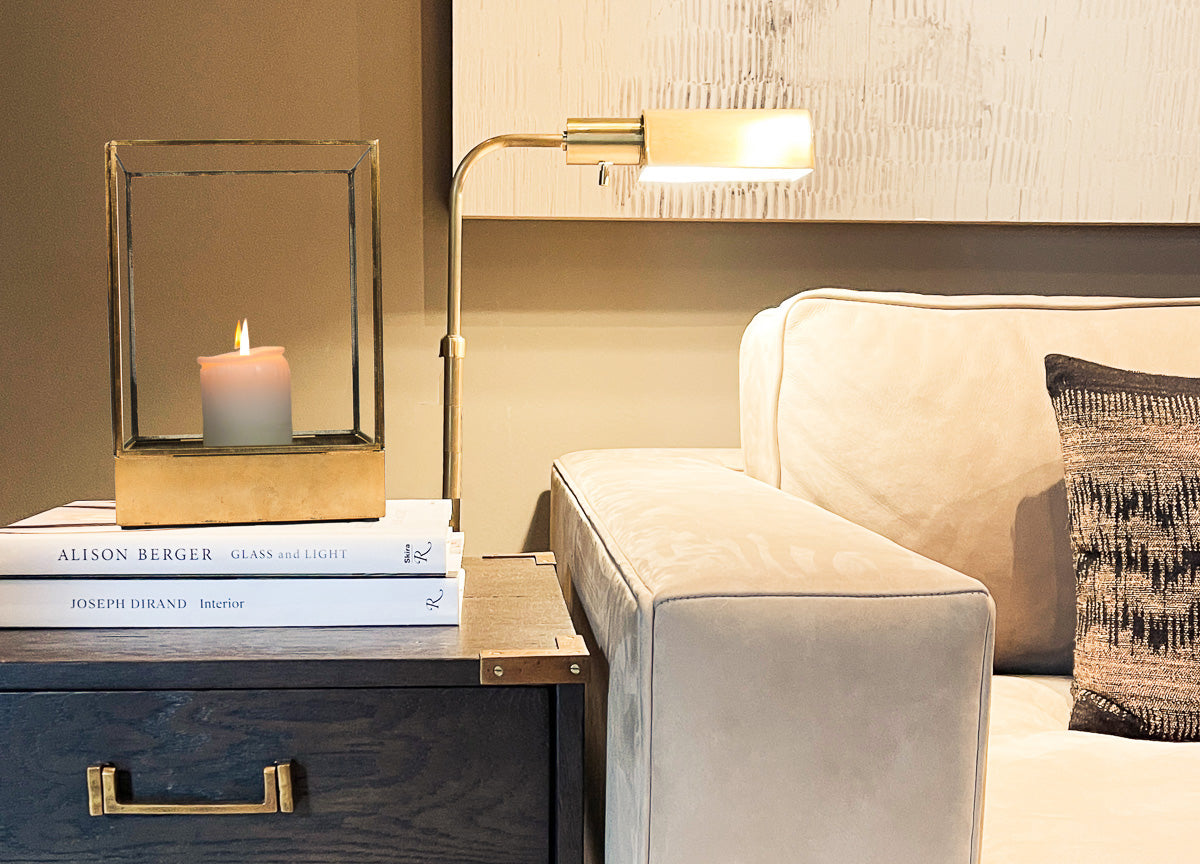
x: 102, y: 796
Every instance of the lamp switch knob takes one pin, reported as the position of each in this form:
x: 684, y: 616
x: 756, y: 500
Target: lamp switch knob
x: 605, y: 173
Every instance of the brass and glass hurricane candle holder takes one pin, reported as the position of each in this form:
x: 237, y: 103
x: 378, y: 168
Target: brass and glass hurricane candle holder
x: 205, y: 238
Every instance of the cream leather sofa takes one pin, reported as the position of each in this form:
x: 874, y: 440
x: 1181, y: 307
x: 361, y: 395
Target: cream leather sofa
x: 798, y: 635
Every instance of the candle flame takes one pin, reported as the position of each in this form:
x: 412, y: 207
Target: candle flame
x: 241, y: 337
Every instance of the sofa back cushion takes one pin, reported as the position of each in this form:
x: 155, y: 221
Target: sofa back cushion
x: 926, y: 419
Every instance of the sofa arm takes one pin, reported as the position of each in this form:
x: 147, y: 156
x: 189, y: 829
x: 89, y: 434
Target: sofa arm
x: 783, y: 685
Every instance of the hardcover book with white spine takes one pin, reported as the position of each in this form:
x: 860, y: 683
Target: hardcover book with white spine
x: 83, y: 539
x: 240, y: 601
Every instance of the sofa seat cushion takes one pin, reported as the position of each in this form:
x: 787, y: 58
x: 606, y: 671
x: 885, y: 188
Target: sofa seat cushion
x: 1058, y: 797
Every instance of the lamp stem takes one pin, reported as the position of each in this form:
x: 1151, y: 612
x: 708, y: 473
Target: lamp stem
x: 453, y: 345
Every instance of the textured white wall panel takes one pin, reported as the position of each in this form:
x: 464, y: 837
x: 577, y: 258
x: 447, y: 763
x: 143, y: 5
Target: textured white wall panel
x: 950, y: 110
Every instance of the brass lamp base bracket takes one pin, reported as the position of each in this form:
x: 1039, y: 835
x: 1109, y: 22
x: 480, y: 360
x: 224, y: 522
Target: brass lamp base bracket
x: 160, y: 489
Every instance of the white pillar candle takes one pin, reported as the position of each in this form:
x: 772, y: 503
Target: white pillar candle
x: 246, y: 395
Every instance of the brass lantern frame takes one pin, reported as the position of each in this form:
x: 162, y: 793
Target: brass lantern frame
x: 175, y: 479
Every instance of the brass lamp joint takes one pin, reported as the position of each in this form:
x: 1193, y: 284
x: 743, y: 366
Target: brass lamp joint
x: 591, y: 140
x: 454, y: 346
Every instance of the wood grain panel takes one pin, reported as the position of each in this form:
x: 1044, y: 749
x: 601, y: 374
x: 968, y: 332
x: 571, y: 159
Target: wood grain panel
x: 946, y: 110
x: 382, y: 775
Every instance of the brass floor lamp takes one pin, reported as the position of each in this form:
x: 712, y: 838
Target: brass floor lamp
x: 671, y: 147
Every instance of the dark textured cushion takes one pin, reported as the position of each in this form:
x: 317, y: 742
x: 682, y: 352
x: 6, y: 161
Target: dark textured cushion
x: 1131, y: 449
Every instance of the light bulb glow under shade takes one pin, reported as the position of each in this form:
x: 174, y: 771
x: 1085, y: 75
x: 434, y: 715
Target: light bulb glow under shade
x: 726, y: 145
x: 717, y: 174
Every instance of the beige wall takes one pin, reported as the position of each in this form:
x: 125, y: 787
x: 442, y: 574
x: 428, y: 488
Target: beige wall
x: 581, y: 334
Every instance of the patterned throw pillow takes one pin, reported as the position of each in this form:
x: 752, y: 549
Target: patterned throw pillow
x: 1131, y: 449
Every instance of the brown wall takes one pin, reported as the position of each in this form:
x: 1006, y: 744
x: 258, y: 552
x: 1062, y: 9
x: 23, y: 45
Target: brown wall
x: 581, y: 334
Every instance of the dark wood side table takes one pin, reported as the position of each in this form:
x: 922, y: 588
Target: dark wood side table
x: 404, y: 744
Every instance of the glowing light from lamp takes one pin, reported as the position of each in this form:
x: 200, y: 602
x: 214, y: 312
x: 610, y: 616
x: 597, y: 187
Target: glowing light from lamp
x: 716, y: 174
x: 726, y: 146
x: 777, y: 140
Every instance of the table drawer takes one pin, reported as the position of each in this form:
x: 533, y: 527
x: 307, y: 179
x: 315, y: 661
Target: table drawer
x: 380, y: 775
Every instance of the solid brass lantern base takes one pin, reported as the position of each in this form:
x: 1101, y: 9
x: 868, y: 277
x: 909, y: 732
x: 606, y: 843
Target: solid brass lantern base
x: 162, y: 489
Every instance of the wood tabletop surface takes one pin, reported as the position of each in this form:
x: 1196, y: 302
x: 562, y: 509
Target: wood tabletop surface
x: 511, y: 604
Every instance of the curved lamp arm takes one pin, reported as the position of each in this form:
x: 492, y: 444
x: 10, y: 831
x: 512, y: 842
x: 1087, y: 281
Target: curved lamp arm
x: 454, y: 347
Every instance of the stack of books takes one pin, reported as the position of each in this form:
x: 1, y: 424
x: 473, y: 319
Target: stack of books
x: 73, y: 566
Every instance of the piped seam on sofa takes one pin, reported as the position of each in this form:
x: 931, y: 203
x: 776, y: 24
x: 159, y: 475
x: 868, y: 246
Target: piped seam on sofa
x: 991, y: 301
x: 827, y: 595
x: 774, y: 419
x: 601, y: 532
x: 985, y: 703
